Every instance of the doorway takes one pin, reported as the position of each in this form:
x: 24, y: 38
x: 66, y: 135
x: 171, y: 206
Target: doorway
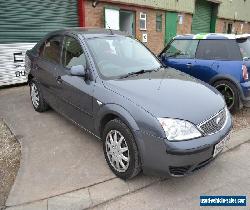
x: 171, y: 26
x: 127, y: 22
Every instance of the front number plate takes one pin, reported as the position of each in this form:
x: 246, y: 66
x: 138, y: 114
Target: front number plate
x: 220, y: 146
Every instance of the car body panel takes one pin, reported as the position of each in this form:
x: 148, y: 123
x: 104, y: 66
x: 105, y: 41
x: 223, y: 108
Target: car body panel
x: 184, y: 65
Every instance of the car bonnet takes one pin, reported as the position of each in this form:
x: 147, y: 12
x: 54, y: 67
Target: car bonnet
x: 170, y: 93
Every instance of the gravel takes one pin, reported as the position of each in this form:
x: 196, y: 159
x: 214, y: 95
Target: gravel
x: 10, y: 154
x: 241, y: 119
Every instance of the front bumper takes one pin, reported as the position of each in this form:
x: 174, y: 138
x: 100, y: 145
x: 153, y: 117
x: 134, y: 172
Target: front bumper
x: 162, y: 157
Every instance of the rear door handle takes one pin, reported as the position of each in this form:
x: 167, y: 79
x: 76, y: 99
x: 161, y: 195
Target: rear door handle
x: 59, y: 79
x: 189, y: 65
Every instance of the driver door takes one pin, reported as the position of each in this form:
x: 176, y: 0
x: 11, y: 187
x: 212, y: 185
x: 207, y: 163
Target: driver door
x: 75, y: 92
x: 180, y: 54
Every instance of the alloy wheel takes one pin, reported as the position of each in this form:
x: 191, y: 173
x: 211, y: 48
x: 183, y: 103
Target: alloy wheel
x: 228, y: 94
x: 117, y: 150
x: 34, y: 95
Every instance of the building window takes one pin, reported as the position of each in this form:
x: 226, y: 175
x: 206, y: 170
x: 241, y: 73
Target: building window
x: 143, y: 21
x: 159, y: 22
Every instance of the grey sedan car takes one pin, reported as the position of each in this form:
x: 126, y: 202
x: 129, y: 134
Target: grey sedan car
x: 150, y: 118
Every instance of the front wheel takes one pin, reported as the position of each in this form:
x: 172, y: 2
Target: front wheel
x: 230, y: 93
x: 120, y: 150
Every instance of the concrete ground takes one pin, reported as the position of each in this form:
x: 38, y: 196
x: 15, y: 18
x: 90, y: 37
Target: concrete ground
x: 57, y: 157
x: 63, y: 167
x: 228, y: 175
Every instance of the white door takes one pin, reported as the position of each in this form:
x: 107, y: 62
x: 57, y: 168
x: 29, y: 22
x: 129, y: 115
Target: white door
x: 112, y: 19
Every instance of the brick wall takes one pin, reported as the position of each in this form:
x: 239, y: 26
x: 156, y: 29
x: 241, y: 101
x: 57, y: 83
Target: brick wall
x: 94, y: 17
x: 185, y: 27
x: 236, y: 25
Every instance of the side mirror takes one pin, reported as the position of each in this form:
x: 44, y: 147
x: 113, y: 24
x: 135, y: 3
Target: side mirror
x: 78, y: 70
x: 163, y: 56
x: 246, y: 59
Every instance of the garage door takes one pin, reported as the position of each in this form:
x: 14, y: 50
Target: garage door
x: 202, y: 17
x: 22, y: 24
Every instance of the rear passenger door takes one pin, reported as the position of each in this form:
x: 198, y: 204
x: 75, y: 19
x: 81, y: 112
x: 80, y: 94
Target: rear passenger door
x: 180, y: 54
x: 216, y: 57
x: 46, y: 67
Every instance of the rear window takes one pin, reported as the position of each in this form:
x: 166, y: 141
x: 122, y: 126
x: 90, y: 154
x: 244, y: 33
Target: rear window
x: 244, y: 45
x: 218, y: 50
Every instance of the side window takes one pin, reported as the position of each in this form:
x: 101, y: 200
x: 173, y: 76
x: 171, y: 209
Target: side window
x: 52, y: 49
x: 182, y: 49
x: 73, y: 54
x: 218, y: 50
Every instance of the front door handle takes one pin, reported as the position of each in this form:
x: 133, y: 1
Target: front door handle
x: 59, y: 79
x: 189, y: 65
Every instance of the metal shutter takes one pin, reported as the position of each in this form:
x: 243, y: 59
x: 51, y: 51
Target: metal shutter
x: 202, y: 17
x: 22, y: 24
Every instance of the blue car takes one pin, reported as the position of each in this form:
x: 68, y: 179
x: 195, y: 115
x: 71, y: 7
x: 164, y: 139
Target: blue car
x: 222, y: 60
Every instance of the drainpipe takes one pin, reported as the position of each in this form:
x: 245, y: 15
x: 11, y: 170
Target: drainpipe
x: 81, y: 12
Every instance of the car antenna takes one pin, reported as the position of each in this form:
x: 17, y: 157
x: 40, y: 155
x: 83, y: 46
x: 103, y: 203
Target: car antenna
x: 109, y: 28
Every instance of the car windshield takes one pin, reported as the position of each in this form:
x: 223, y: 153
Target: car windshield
x: 244, y: 45
x: 117, y: 56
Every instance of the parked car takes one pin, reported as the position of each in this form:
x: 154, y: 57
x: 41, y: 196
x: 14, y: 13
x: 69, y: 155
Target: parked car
x: 158, y: 120
x: 222, y: 60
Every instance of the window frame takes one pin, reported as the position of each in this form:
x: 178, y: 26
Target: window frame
x: 158, y: 15
x: 143, y: 19
x: 43, y: 46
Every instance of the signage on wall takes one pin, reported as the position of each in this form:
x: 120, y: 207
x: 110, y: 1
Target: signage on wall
x: 180, y: 19
x: 144, y: 38
x: 12, y: 57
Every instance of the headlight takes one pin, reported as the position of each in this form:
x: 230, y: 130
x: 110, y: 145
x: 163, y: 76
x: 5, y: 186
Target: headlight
x: 177, y: 130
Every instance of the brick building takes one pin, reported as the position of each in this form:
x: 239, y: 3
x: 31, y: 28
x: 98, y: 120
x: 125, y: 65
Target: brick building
x: 147, y: 22
x: 155, y: 21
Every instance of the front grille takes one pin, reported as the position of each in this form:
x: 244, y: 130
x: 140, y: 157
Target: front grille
x: 184, y: 170
x: 214, y: 124
x: 202, y: 164
x: 179, y: 171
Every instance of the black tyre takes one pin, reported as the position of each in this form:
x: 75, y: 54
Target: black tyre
x: 120, y: 150
x: 230, y: 93
x: 36, y: 96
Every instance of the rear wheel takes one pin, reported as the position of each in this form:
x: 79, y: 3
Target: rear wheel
x: 36, y: 96
x: 230, y: 93
x: 120, y: 150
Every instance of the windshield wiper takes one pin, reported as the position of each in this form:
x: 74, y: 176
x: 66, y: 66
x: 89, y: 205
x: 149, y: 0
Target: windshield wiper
x: 136, y: 73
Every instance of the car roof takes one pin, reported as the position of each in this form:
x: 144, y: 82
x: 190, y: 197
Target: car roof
x: 90, y: 32
x: 212, y: 36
